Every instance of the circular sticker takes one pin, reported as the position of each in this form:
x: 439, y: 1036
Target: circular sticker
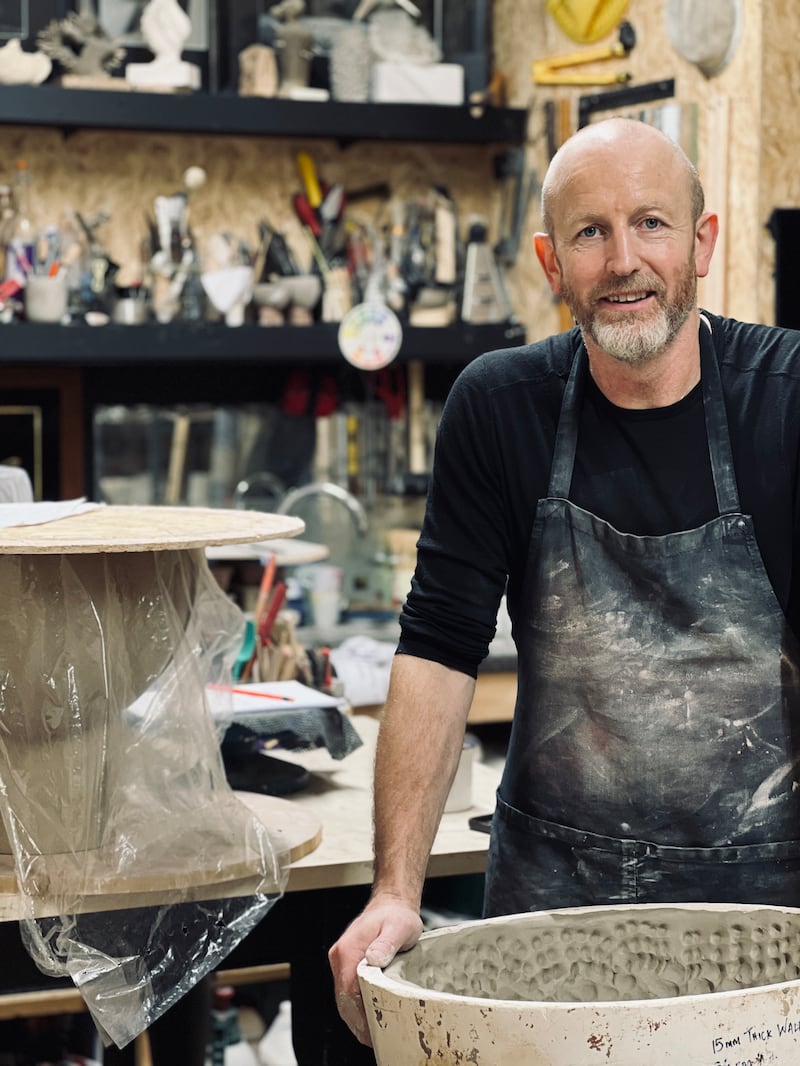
x: 370, y: 335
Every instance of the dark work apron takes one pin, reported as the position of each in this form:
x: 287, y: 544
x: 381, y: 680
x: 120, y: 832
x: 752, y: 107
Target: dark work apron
x: 654, y: 750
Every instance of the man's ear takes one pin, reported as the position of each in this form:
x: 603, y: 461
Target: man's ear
x: 546, y: 254
x: 705, y: 238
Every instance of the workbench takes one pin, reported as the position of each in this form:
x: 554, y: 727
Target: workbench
x: 326, y: 889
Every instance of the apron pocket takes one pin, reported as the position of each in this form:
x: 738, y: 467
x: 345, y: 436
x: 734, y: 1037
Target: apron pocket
x: 534, y: 864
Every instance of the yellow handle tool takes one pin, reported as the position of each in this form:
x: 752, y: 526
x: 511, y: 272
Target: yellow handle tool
x: 308, y: 175
x: 552, y: 70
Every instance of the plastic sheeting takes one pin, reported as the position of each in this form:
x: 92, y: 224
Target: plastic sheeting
x: 112, y: 789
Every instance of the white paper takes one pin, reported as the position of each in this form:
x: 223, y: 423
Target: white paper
x: 267, y: 696
x: 35, y: 514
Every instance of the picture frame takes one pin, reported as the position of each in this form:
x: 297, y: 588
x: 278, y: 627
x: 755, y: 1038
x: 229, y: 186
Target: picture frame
x: 14, y: 19
x: 31, y: 18
x: 22, y: 441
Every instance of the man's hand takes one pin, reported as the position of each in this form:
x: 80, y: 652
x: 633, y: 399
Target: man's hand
x: 384, y: 927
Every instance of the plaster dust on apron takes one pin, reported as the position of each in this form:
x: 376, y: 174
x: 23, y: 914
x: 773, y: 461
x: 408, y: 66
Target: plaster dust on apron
x: 642, y: 985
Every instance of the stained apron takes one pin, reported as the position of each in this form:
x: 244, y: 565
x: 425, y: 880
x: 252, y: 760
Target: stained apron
x: 653, y: 754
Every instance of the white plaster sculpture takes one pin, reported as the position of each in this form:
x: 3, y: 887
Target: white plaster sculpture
x: 22, y: 68
x: 166, y: 28
x: 230, y: 290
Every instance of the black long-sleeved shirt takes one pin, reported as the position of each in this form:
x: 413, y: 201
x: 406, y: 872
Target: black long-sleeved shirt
x: 646, y: 472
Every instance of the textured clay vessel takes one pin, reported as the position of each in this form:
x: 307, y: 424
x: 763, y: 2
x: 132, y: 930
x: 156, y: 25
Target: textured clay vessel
x: 685, y: 984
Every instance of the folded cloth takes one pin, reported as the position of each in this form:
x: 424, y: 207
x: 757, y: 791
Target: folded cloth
x: 309, y: 727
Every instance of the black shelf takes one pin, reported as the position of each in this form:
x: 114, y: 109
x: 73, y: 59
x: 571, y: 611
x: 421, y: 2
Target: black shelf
x: 185, y: 343
x: 228, y: 113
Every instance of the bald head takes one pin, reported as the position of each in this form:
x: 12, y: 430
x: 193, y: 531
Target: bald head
x: 622, y: 138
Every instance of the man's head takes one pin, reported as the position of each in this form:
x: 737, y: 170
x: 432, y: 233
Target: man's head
x: 626, y: 237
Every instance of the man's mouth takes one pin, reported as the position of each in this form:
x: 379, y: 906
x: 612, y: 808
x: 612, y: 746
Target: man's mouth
x: 626, y: 297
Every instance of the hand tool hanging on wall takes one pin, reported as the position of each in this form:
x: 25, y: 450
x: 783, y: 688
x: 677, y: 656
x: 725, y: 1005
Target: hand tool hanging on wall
x: 552, y: 70
x: 519, y: 185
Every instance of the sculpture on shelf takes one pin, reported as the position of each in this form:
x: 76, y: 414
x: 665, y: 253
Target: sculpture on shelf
x: 258, y: 71
x: 22, y: 68
x: 395, y: 35
x: 366, y: 7
x: 294, y: 44
x: 166, y: 28
x: 80, y: 46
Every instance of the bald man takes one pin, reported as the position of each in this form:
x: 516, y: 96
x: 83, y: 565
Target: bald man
x: 633, y: 485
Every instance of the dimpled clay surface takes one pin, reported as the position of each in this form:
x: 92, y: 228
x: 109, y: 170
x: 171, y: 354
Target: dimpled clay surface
x: 604, y: 956
x: 647, y: 985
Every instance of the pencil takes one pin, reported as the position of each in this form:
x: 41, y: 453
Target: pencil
x: 247, y: 692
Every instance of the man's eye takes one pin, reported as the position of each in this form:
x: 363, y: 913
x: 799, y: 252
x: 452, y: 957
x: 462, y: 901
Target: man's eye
x: 652, y: 223
x: 589, y: 231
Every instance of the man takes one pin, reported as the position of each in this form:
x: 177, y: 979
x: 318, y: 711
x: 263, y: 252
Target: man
x: 608, y: 475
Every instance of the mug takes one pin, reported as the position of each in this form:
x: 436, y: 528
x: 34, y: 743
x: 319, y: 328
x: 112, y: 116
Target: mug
x: 45, y: 297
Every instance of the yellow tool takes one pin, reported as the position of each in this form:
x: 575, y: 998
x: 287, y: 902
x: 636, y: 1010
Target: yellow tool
x: 587, y: 21
x: 551, y: 71
x: 308, y: 175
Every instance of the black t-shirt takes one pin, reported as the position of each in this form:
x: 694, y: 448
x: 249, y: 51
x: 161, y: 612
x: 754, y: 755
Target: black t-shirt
x: 646, y: 472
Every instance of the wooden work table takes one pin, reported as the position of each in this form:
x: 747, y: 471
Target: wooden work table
x: 329, y: 886
x: 341, y: 797
x: 325, y: 890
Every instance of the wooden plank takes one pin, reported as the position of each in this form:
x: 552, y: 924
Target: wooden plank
x: 41, y: 1004
x: 254, y: 975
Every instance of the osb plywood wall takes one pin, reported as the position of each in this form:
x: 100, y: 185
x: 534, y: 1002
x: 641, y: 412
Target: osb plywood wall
x: 748, y: 134
x: 780, y: 125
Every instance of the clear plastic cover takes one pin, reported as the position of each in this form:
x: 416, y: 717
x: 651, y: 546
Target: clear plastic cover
x: 138, y: 867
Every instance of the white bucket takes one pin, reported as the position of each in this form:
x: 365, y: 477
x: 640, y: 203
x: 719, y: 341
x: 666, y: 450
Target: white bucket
x: 688, y: 984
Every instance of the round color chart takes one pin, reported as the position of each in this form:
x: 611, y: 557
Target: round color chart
x: 370, y: 335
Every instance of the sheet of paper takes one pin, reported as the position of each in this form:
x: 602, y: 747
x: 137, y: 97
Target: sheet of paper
x: 35, y: 514
x: 275, y: 695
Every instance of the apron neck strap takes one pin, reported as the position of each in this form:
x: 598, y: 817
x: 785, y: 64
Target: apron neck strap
x: 719, y: 442
x: 719, y: 438
x: 567, y: 432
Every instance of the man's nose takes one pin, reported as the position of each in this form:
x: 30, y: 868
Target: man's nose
x: 623, y: 256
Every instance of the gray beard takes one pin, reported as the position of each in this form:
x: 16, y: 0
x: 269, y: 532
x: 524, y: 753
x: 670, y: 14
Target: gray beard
x: 634, y: 343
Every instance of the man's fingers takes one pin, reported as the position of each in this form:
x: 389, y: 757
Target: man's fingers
x: 380, y: 952
x: 376, y: 935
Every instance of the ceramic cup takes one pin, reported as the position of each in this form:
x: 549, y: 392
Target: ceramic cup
x: 324, y: 584
x: 45, y: 297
